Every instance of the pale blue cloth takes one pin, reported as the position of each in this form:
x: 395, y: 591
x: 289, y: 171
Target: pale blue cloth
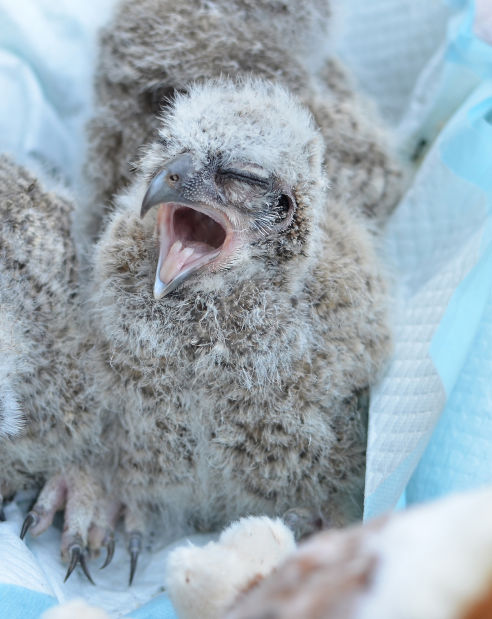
x: 459, y: 454
x: 47, y: 52
x: 22, y: 603
x: 431, y: 416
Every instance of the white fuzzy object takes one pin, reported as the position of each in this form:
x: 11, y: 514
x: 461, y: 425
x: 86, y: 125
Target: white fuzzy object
x: 203, y: 582
x: 434, y: 561
x: 430, y: 562
x: 75, y: 609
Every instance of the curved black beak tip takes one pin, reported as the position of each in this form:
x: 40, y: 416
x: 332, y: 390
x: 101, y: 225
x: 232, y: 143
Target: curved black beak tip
x: 166, y: 186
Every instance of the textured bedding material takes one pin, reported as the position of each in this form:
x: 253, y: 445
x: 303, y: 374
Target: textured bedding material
x: 431, y: 416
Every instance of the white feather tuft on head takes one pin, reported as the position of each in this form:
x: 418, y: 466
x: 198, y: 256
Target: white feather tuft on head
x: 249, y: 118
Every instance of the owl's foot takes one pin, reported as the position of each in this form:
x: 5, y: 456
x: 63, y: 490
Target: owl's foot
x: 89, y: 519
x: 50, y: 500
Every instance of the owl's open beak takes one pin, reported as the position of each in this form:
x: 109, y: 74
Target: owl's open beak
x: 191, y: 235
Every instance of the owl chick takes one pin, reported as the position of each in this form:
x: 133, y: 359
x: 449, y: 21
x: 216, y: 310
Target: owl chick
x: 237, y: 306
x: 49, y: 426
x: 239, y: 316
x: 153, y: 49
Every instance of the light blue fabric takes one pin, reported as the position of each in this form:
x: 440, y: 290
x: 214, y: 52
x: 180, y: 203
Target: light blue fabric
x: 467, y: 153
x: 466, y: 48
x: 430, y: 427
x: 459, y: 454
x: 384, y: 494
x: 46, y: 55
x: 21, y: 603
x: 159, y: 608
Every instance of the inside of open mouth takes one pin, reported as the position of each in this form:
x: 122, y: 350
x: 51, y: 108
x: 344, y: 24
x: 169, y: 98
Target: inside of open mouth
x: 192, y: 227
x: 194, y: 240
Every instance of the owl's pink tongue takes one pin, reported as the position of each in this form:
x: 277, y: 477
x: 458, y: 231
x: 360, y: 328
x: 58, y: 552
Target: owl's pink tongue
x: 177, y: 258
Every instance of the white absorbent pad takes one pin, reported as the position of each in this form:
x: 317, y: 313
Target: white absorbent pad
x: 431, y: 416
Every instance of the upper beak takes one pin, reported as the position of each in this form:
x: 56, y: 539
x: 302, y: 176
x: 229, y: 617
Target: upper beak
x: 167, y: 185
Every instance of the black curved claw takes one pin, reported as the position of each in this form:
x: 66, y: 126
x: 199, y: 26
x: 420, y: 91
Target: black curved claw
x: 77, y: 555
x: 2, y: 515
x: 134, y: 546
x: 74, y: 559
x: 110, y: 552
x: 85, y: 569
x: 30, y: 519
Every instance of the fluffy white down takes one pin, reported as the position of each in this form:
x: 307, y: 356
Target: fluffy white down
x: 203, y: 582
x: 253, y: 107
x: 10, y: 415
x: 434, y: 561
x: 10, y: 362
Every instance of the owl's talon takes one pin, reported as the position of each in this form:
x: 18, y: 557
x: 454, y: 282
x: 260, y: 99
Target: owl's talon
x: 85, y: 569
x: 110, y: 544
x: 78, y: 555
x: 74, y: 559
x: 31, y: 519
x: 134, y: 547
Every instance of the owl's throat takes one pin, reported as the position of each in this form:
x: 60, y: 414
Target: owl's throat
x: 189, y: 239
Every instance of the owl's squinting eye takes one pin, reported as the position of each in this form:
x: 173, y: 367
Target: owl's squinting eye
x: 245, y: 177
